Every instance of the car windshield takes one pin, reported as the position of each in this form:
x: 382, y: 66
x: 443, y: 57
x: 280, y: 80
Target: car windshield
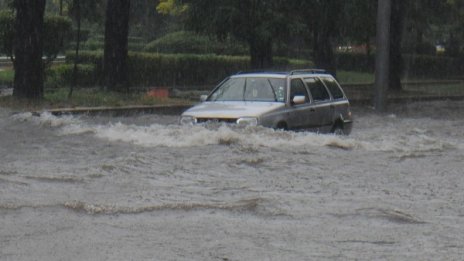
x: 250, y: 89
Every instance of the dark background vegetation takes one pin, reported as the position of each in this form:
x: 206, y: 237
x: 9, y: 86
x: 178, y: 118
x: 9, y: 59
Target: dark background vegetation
x: 119, y: 45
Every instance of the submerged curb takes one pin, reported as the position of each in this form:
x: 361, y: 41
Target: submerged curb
x: 120, y: 111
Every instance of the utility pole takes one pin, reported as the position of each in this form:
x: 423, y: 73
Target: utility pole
x: 382, y: 67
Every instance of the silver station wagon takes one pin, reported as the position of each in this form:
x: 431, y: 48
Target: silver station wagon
x: 298, y: 100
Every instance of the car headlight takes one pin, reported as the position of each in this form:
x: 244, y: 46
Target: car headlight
x: 247, y: 121
x: 186, y: 120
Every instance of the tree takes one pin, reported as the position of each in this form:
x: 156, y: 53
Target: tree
x: 56, y: 30
x: 76, y: 4
x: 360, y: 26
x: 396, y: 33
x: 149, y: 24
x: 323, y: 20
x: 116, y: 33
x: 455, y: 26
x: 7, y: 33
x: 325, y: 29
x: 28, y: 49
x: 258, y: 23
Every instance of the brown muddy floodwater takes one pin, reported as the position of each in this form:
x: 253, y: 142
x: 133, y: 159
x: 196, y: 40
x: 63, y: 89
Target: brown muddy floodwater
x: 146, y: 188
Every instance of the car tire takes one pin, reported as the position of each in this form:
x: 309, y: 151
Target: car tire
x: 338, y: 129
x: 282, y: 126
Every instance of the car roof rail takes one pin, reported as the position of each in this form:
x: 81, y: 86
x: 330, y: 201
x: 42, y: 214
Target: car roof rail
x: 304, y: 71
x: 251, y: 71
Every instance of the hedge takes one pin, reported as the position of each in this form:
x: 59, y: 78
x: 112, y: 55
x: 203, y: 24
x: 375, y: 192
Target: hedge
x: 148, y: 69
x: 192, y: 43
x: 93, y: 45
x: 420, y: 66
x: 62, y: 75
x: 355, y: 62
x: 429, y: 66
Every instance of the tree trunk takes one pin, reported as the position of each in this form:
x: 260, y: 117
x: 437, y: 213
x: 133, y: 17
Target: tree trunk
x: 78, y: 42
x: 61, y: 7
x: 324, y: 57
x: 325, y: 28
x: 116, y: 33
x: 261, y: 53
x: 396, y: 59
x: 28, y: 49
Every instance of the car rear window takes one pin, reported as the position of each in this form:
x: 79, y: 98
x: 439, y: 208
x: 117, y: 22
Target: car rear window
x: 333, y: 87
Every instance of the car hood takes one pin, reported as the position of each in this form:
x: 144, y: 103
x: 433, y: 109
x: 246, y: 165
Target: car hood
x: 232, y: 109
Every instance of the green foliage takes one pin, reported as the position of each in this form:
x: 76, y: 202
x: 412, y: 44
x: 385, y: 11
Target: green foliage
x: 191, y: 42
x: 148, y: 69
x: 428, y: 66
x: 57, y: 30
x: 185, y: 69
x: 95, y: 45
x: 172, y: 7
x: 417, y: 66
x: 62, y: 75
x: 257, y: 23
x: 359, y: 25
x: 90, y: 10
x: 6, y: 32
x: 56, y: 34
x: 86, y: 57
x: 355, y: 62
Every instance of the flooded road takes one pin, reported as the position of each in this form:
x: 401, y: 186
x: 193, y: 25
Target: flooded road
x: 145, y: 188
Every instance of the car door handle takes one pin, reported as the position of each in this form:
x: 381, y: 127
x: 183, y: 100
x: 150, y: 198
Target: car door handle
x: 332, y: 106
x: 312, y: 109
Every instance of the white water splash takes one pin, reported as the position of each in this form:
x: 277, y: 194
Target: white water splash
x: 404, y: 143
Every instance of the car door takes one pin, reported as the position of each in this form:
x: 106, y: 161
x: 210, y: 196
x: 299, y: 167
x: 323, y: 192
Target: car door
x: 321, y: 104
x: 300, y: 115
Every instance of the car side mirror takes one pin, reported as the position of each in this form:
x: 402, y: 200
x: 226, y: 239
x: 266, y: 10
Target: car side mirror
x: 203, y: 98
x: 299, y: 99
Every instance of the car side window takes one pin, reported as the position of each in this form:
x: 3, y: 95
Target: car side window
x: 333, y: 87
x: 317, y: 89
x: 297, y: 88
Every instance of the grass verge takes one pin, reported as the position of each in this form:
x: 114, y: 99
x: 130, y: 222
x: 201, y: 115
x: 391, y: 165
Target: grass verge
x: 6, y: 76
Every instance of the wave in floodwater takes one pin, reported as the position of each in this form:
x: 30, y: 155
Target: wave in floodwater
x: 242, y: 205
x: 405, y: 142
x: 99, y: 209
